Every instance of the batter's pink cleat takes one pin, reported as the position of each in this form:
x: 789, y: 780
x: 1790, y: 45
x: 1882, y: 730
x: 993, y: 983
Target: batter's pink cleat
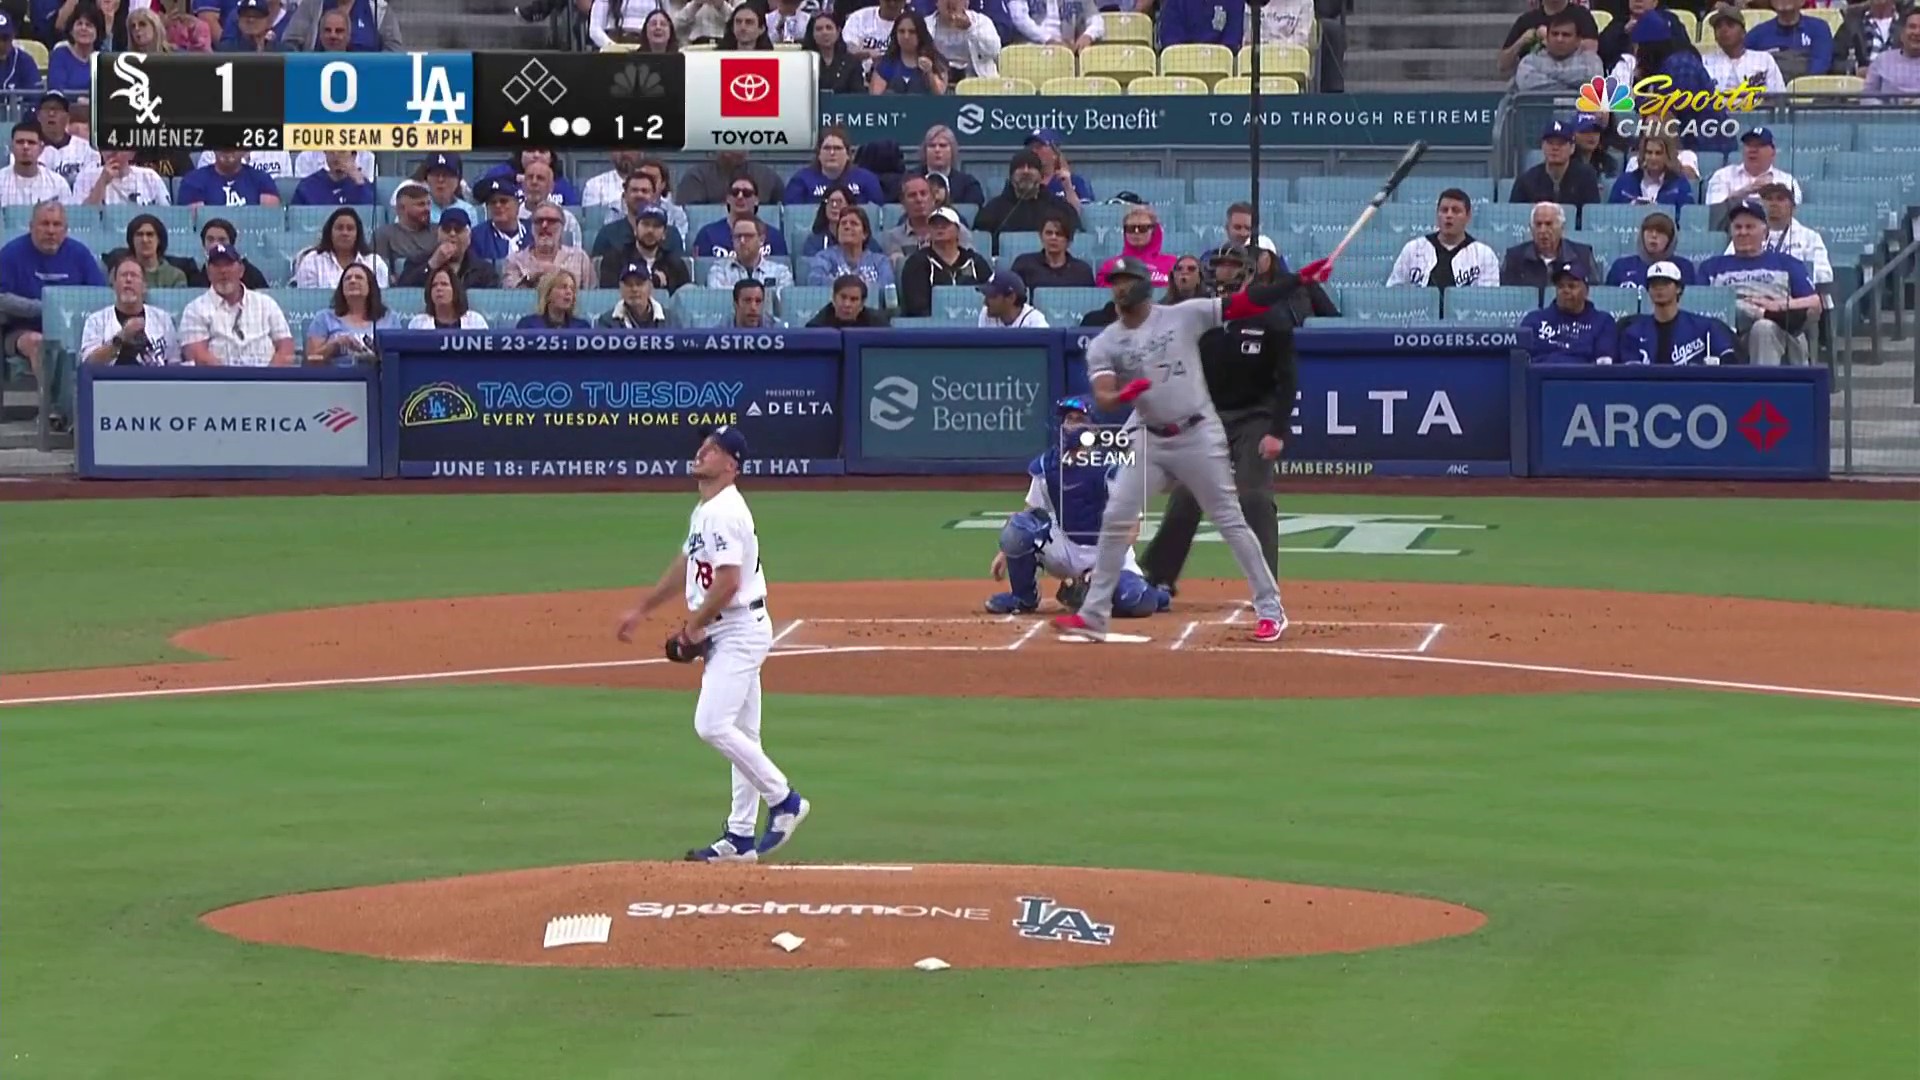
x: 1270, y: 629
x: 1077, y: 627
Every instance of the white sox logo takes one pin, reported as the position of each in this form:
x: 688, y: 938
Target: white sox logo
x: 1044, y: 920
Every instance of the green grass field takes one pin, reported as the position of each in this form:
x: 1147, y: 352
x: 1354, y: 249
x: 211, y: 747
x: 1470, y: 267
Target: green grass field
x: 1686, y: 885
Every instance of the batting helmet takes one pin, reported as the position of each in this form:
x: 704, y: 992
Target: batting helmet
x: 1139, y: 277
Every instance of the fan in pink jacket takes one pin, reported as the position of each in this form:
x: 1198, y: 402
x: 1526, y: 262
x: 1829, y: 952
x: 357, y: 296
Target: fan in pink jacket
x: 1141, y: 237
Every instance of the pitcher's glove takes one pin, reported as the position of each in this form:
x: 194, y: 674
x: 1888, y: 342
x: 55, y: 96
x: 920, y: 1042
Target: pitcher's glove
x: 1073, y: 592
x: 682, y: 649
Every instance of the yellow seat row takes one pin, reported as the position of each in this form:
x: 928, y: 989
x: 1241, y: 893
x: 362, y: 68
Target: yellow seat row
x: 1701, y: 32
x: 1038, y: 64
x: 1103, y: 86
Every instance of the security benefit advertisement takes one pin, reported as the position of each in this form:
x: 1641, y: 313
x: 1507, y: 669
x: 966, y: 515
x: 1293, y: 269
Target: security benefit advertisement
x: 957, y: 407
x: 610, y: 403
x: 1681, y: 422
x: 219, y: 422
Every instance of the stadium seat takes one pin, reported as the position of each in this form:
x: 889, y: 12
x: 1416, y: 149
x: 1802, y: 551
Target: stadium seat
x: 1605, y: 218
x: 1502, y: 306
x: 114, y: 219
x: 1292, y: 60
x: 1167, y: 194
x: 1015, y: 244
x: 797, y: 303
x: 1602, y: 20
x: 1717, y: 301
x: 1874, y: 195
x: 1207, y: 62
x: 1753, y: 18
x: 1066, y: 307
x: 1224, y: 190
x: 406, y: 303
x: 1829, y: 16
x: 301, y: 305
x: 1504, y: 224
x: 1122, y: 63
x: 915, y: 322
x: 1126, y: 27
x: 1885, y: 139
x: 1347, y: 193
x: 1396, y: 306
x: 701, y: 215
x: 1688, y: 20
x: 1100, y: 226
x: 1843, y: 227
x: 995, y: 86
x: 64, y: 310
x: 1827, y: 84
x: 36, y: 50
x: 699, y: 306
x: 1425, y: 190
x: 1899, y: 169
x: 305, y: 222
x: 1616, y: 300
x: 956, y: 302
x: 1813, y: 137
x: 1308, y: 216
x: 250, y: 220
x: 1037, y: 63
x: 502, y: 307
x: 1242, y: 85
x: 1081, y: 86
x: 1166, y: 85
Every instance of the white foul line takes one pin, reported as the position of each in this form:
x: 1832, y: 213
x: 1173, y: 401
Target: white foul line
x: 1433, y: 635
x: 1631, y: 676
x: 1184, y: 635
x: 1028, y: 636
x: 884, y: 868
x: 791, y: 627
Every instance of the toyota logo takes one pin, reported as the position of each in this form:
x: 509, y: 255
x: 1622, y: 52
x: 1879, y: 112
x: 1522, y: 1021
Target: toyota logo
x: 750, y: 88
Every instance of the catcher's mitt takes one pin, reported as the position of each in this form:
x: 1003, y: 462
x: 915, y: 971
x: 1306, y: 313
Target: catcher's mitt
x: 1073, y: 592
x: 683, y: 650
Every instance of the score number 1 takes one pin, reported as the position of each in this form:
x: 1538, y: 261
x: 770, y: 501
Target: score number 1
x: 651, y: 129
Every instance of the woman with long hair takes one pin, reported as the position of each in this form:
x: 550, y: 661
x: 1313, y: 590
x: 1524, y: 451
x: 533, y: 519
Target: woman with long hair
x: 70, y: 65
x: 913, y: 64
x: 746, y: 30
x: 617, y: 21
x: 852, y: 252
x: 446, y: 305
x: 1658, y: 178
x: 342, y: 243
x: 147, y: 244
x: 554, y: 304
x: 657, y: 34
x: 840, y: 71
x: 832, y: 163
x: 1183, y: 283
x: 147, y: 33
x: 826, y: 220
x: 940, y: 156
x: 343, y: 334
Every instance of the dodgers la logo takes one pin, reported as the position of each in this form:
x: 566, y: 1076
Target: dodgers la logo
x: 1043, y: 920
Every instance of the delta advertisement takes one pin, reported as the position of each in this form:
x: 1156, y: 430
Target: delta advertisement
x: 225, y: 423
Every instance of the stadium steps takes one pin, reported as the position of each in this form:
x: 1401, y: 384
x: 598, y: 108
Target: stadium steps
x: 1402, y: 46
x: 1468, y: 33
x: 460, y: 25
x: 1428, y: 69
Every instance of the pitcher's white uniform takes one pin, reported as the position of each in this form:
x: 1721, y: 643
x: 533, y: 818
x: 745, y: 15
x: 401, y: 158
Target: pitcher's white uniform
x: 721, y: 533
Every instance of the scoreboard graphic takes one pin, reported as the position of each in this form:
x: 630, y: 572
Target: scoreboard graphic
x: 700, y: 101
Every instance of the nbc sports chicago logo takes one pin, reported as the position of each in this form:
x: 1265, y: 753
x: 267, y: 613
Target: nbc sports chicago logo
x: 1648, y: 107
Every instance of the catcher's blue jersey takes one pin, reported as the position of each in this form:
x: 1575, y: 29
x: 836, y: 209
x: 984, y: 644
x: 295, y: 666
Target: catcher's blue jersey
x: 1076, y: 495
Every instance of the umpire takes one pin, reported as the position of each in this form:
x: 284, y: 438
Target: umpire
x: 1251, y: 377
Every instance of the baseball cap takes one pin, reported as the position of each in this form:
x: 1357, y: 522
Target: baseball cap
x: 1044, y: 135
x: 1558, y: 129
x: 1574, y: 270
x: 1229, y: 252
x: 52, y: 97
x: 222, y: 253
x: 1025, y: 159
x: 250, y: 6
x: 444, y: 160
x: 946, y: 214
x: 1653, y: 27
x: 1265, y: 243
x: 498, y: 188
x: 1586, y: 122
x: 729, y: 438
x: 1748, y: 205
x: 455, y: 218
x: 1762, y: 134
x: 1004, y: 283
x: 634, y: 269
x: 653, y: 212
x: 1663, y: 271
x: 6, y: 25
x: 411, y: 187
x: 1722, y: 16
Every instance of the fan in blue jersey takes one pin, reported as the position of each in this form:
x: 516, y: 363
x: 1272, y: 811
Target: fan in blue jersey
x: 1670, y: 335
x: 1571, y: 329
x: 1774, y: 290
x: 1059, y: 532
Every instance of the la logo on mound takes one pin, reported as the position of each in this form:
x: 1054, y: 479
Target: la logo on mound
x: 750, y: 87
x: 1044, y: 920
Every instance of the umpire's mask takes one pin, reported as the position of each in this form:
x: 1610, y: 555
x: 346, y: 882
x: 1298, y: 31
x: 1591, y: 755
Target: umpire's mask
x: 1228, y: 265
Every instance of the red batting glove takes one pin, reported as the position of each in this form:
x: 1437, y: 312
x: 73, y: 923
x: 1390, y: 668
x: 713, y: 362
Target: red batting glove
x: 1134, y: 389
x: 1317, y: 272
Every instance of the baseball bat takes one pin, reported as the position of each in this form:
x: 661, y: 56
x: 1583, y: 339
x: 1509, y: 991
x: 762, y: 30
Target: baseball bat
x: 1407, y: 161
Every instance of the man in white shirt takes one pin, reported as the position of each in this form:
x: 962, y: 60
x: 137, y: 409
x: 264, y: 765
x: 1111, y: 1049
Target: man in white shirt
x: 129, y: 330
x: 1786, y: 235
x: 1449, y: 256
x: 727, y: 623
x: 278, y: 164
x: 1735, y: 65
x: 1074, y: 23
x: 869, y: 29
x: 968, y: 39
x: 312, y: 161
x: 536, y: 190
x: 1752, y: 172
x: 117, y: 181
x: 28, y: 182
x: 749, y: 261
x: 231, y: 325
x: 605, y: 189
x: 65, y: 153
x: 1005, y: 303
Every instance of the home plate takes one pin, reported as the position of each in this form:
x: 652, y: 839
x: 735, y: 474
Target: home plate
x: 1112, y: 639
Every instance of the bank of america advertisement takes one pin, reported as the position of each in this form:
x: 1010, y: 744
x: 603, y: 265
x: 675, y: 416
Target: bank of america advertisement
x: 221, y: 424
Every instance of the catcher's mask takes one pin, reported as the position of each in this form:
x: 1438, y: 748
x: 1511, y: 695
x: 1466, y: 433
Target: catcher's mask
x: 1074, y: 412
x: 1137, y: 278
x: 1234, y: 260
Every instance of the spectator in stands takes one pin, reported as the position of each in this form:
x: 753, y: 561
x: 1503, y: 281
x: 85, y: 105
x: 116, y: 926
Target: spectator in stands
x: 1866, y: 31
x: 913, y: 63
x: 18, y: 71
x: 1449, y: 256
x: 410, y: 235
x: 1788, y: 236
x: 29, y: 182
x: 117, y: 181
x: 1561, y: 65
x: 189, y: 34
x: 446, y: 305
x: 867, y: 31
x: 637, y: 308
x: 1661, y: 47
x: 537, y: 190
x: 1669, y: 335
x: 1025, y: 203
x: 750, y: 306
x: 1800, y: 46
x: 854, y: 253
x: 374, y: 26
x: 743, y: 204
x: 229, y: 181
x: 147, y: 245
x: 1062, y: 181
x: 547, y: 252
x: 1773, y: 288
x: 826, y: 220
x: 341, y: 183
x: 255, y: 21
x: 1529, y: 31
x: 832, y: 161
x: 219, y: 232
x: 275, y: 163
x: 231, y: 325
x: 1184, y: 283
x: 701, y: 22
x: 646, y: 246
x: 342, y: 243
x: 1073, y: 23
x: 554, y: 299
x: 658, y: 35
x: 749, y: 261
x: 1530, y: 262
x: 968, y: 39
x: 841, y: 72
x: 129, y: 331
x: 45, y: 256
x: 343, y: 334
x: 1239, y: 224
x: 146, y: 33
x: 1141, y: 237
x: 61, y: 150
x: 1616, y: 41
x: 1656, y: 180
x: 70, y: 64
x: 312, y: 161
x: 1202, y: 22
x: 455, y: 250
x: 1735, y: 65
x: 1656, y: 246
x: 1743, y: 179
x: 611, y: 21
x: 1054, y: 266
x: 787, y: 23
x: 939, y: 156
x: 1570, y: 330
x: 746, y: 30
x: 607, y: 189
x: 334, y: 34
x: 1897, y: 71
x: 848, y: 309
x: 1590, y: 145
x: 114, y: 18
x: 515, y: 169
x: 615, y: 240
x: 942, y: 261
x: 441, y: 174
x: 911, y: 232
x: 1004, y: 303
x: 1558, y: 178
x: 712, y: 181
x: 504, y: 233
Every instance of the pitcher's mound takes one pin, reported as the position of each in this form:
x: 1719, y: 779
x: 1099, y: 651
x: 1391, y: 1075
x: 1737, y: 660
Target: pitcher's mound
x: 689, y: 915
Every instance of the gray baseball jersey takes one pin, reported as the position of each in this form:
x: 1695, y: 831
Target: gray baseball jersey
x: 1165, y: 349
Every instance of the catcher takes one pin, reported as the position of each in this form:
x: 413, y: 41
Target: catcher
x: 1059, y: 532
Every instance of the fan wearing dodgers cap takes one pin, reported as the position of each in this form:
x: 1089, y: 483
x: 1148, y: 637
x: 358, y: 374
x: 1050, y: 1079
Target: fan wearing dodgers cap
x: 1570, y: 330
x: 1671, y: 335
x: 1559, y: 178
x: 638, y: 308
x: 1004, y: 303
x: 1775, y: 291
x: 1755, y: 170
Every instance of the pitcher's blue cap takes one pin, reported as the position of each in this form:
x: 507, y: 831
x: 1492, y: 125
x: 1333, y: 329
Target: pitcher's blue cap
x: 729, y: 438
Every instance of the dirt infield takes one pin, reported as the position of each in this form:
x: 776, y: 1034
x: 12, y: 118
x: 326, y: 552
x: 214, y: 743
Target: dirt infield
x: 686, y: 915
x: 1349, y: 639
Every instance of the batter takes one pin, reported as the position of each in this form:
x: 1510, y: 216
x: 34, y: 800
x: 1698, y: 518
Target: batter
x: 1150, y: 358
x: 727, y: 625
